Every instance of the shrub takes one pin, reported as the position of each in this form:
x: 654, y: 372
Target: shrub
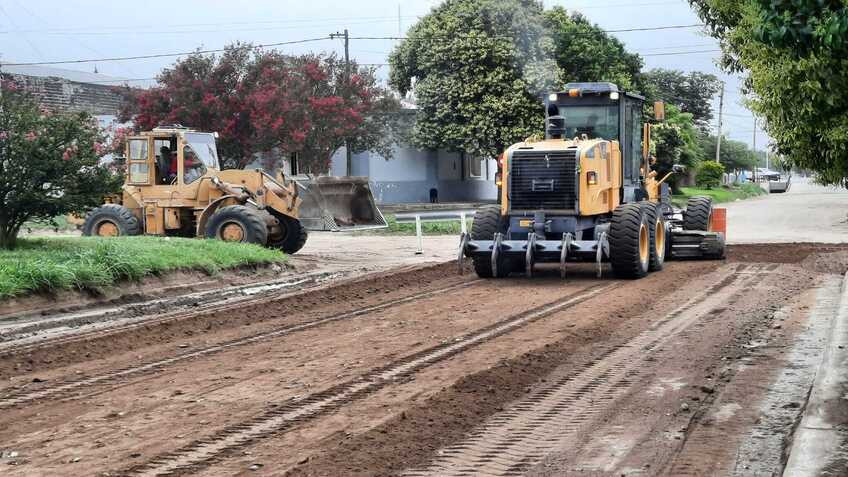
x: 709, y: 174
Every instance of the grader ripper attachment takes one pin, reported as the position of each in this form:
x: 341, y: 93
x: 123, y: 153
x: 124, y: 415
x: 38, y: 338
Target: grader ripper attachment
x: 587, y: 193
x: 175, y: 186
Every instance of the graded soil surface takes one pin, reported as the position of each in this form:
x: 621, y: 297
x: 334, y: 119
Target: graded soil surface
x: 427, y: 372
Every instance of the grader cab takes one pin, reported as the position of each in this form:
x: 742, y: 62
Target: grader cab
x: 175, y: 186
x: 587, y: 193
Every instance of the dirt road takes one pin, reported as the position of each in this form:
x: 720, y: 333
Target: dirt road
x: 425, y: 372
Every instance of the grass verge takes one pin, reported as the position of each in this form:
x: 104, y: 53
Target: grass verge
x: 719, y: 194
x: 90, y: 263
x: 442, y: 227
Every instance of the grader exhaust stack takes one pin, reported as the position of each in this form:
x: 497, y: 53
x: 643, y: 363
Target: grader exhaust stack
x: 337, y: 203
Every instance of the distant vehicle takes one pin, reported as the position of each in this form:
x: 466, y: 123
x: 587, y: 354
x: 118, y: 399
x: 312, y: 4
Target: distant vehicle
x: 767, y: 174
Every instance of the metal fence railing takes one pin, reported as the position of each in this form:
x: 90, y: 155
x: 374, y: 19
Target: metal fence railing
x: 438, y: 216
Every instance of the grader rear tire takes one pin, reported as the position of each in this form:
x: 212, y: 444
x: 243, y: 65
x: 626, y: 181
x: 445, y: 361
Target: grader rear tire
x: 237, y: 223
x: 111, y: 220
x: 630, y: 241
x: 698, y: 214
x: 659, y: 239
x: 487, y: 222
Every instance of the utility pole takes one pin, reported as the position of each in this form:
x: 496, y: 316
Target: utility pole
x: 757, y: 156
x: 346, y: 37
x: 720, y: 113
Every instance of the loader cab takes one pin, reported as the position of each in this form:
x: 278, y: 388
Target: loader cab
x: 170, y: 156
x: 600, y: 110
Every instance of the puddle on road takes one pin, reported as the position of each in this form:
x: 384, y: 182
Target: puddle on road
x: 760, y: 451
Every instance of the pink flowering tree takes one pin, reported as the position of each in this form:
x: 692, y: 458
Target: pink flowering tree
x: 264, y: 101
x: 49, y: 164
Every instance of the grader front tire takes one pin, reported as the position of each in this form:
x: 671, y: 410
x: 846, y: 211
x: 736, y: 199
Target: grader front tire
x: 487, y: 222
x: 698, y: 214
x: 237, y: 223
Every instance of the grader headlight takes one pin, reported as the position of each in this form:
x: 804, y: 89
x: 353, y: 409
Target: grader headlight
x: 592, y: 178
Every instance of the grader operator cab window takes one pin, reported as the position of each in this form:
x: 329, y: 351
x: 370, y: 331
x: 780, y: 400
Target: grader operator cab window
x: 593, y: 121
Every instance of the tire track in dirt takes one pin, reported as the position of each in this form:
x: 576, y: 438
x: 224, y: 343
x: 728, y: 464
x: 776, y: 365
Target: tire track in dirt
x: 116, y: 377
x: 297, y: 411
x: 513, y: 441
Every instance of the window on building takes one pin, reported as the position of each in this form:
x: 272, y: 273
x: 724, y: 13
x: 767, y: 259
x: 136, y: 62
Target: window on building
x: 475, y: 167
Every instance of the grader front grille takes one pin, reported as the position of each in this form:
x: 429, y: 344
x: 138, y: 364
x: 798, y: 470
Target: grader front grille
x: 543, y: 181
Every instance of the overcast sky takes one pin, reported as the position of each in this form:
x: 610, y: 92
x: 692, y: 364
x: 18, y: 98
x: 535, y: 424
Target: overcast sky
x: 42, y: 30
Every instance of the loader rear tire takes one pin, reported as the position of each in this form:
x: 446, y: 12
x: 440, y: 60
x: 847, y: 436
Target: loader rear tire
x: 237, y: 223
x: 111, y: 220
x: 292, y: 235
x: 630, y: 241
x: 487, y: 222
x: 659, y: 238
x: 698, y: 214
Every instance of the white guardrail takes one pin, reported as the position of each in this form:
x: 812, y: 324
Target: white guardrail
x: 435, y: 216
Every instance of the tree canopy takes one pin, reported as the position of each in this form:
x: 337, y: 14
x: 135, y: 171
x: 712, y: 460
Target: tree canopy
x: 675, y: 142
x: 691, y: 92
x: 49, y: 163
x: 479, y: 69
x: 794, y: 54
x: 264, y: 101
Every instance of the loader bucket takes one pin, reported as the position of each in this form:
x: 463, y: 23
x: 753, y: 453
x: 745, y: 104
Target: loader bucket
x: 337, y: 204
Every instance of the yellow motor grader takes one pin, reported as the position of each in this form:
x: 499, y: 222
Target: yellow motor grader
x: 587, y: 193
x: 175, y: 186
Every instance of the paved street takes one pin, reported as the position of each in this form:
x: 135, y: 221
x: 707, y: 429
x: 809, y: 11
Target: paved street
x: 807, y: 213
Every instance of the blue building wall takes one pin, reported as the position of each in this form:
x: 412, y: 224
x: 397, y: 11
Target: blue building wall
x: 411, y: 173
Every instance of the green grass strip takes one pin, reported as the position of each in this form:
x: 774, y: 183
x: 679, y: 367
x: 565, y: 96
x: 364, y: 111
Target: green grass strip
x: 91, y: 263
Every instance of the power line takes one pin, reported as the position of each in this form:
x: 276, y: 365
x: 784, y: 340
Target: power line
x: 682, y: 53
x: 164, y: 55
x: 308, y: 40
x: 622, y: 30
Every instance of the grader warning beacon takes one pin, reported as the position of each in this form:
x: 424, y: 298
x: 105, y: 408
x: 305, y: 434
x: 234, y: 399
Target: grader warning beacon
x: 587, y: 193
x: 175, y: 186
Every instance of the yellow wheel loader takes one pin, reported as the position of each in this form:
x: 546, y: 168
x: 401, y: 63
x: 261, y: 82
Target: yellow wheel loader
x: 587, y: 193
x: 175, y: 186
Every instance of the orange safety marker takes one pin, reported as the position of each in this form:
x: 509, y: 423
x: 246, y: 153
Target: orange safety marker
x: 719, y: 222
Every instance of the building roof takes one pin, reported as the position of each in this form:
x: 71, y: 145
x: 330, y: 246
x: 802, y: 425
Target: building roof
x: 70, y: 75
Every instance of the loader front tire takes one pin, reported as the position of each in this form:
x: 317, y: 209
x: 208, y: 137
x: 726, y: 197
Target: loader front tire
x: 237, y: 223
x: 292, y: 236
x: 698, y: 214
x: 487, y: 222
x: 111, y: 220
x: 630, y: 241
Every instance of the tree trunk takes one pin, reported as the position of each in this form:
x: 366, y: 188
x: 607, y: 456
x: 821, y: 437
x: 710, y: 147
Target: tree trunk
x: 8, y: 237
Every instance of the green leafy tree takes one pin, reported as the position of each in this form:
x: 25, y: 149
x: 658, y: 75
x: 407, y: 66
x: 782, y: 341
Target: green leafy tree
x: 735, y: 156
x: 794, y: 54
x: 584, y: 52
x: 480, y: 68
x: 49, y: 164
x: 675, y: 142
x: 690, y: 92
x: 709, y: 174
